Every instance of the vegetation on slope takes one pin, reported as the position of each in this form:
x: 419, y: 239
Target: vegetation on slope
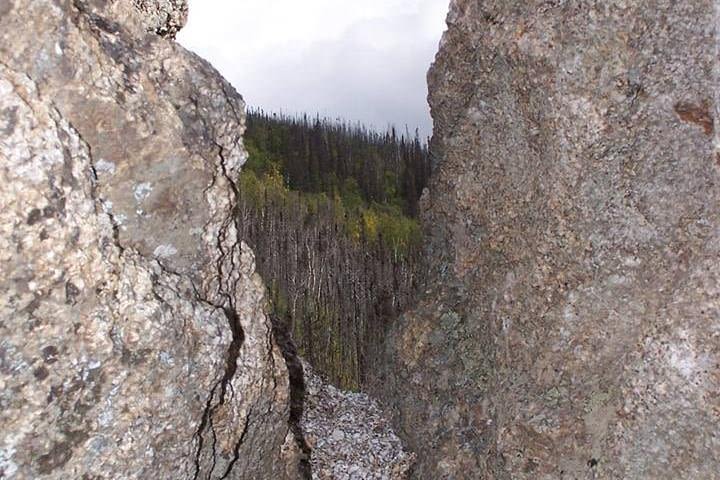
x: 329, y: 210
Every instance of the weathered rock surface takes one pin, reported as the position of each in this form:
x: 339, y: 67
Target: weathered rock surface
x: 350, y: 437
x: 133, y: 338
x: 571, y: 324
x: 164, y: 17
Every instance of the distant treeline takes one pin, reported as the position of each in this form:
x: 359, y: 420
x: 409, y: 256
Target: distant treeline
x: 321, y: 155
x: 329, y: 210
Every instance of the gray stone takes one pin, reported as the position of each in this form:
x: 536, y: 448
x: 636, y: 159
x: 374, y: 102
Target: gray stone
x: 350, y: 436
x: 134, y: 342
x: 164, y: 17
x: 574, y: 229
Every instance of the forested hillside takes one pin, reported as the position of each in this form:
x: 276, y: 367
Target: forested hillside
x: 329, y: 209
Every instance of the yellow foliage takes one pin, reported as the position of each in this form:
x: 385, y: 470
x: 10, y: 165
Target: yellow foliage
x: 370, y: 220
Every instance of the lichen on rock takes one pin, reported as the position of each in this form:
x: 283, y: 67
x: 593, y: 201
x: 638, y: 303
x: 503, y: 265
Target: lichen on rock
x: 133, y: 336
x: 569, y: 325
x: 164, y: 17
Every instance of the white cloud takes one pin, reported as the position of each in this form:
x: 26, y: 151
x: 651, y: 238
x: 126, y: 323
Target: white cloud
x: 362, y: 60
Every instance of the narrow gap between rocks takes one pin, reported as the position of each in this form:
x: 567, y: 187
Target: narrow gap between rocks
x: 337, y: 240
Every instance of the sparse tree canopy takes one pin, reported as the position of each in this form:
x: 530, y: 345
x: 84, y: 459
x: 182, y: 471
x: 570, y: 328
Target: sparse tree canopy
x: 330, y: 211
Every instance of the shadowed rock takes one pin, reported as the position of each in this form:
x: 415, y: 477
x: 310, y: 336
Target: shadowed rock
x: 570, y: 324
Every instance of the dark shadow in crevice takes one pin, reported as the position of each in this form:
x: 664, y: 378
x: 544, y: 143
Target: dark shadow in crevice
x: 281, y: 331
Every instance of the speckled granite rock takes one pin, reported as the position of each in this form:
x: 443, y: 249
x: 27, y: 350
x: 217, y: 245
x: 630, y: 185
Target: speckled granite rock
x: 133, y: 338
x: 164, y: 17
x: 571, y: 324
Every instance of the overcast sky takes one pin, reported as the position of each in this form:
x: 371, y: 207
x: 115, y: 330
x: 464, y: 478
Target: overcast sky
x: 361, y: 60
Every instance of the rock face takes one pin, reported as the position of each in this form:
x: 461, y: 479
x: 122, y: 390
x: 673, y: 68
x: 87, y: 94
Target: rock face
x: 133, y: 338
x: 164, y: 17
x: 570, y: 328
